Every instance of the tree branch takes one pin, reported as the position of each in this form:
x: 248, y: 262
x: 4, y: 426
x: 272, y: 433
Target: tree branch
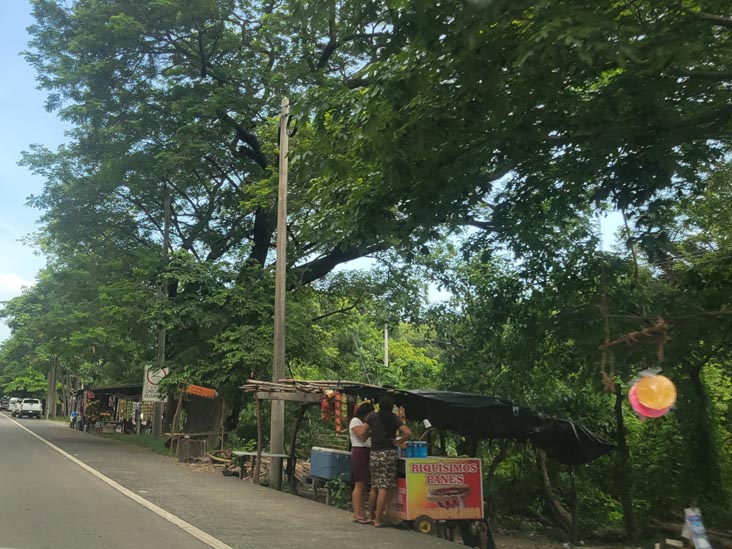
x: 341, y: 253
x: 342, y: 310
x: 264, y: 226
x: 222, y: 172
x: 331, y: 46
x: 354, y: 83
x: 712, y: 18
x: 714, y: 76
x: 202, y: 53
x: 247, y: 137
x: 484, y: 225
x: 142, y: 208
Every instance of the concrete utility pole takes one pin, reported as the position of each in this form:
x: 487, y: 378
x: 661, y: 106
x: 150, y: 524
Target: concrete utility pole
x: 157, y: 419
x: 277, y: 426
x: 386, y: 346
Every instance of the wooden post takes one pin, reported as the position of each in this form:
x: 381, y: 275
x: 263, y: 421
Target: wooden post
x: 138, y: 427
x: 259, y: 442
x: 223, y: 407
x: 277, y: 425
x: 176, y: 417
x: 157, y: 419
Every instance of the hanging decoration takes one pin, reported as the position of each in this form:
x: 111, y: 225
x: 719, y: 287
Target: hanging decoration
x: 652, y: 395
x: 656, y: 392
x: 642, y: 410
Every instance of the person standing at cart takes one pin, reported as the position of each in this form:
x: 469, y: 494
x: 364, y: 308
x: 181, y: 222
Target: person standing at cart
x: 383, y: 427
x: 360, y: 458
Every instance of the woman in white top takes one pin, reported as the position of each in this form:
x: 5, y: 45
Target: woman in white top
x: 360, y: 456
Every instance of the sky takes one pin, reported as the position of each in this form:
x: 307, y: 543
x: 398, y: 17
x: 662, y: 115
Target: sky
x: 23, y: 120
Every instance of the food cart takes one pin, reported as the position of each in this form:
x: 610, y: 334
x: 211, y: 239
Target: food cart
x: 435, y: 489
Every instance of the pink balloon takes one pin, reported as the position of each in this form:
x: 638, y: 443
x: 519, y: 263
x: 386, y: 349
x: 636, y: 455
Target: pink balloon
x: 642, y: 410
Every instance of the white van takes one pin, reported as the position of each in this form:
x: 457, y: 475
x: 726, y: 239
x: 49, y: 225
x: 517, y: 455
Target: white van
x: 13, y: 404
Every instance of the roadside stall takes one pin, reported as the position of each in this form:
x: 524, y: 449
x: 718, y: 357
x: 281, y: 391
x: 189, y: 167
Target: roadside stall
x: 434, y: 490
x: 107, y: 409
x: 198, y: 421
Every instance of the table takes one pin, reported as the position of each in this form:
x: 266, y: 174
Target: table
x: 241, y: 457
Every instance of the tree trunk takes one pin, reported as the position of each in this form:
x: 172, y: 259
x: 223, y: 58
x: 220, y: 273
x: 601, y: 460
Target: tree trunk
x: 623, y: 466
x: 560, y: 514
x: 707, y: 476
x: 496, y: 461
x: 51, y: 392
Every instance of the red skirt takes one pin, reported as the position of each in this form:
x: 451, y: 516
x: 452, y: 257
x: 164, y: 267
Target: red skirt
x: 360, y: 457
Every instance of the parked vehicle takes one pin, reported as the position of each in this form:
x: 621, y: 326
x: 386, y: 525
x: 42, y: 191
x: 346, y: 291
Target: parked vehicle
x: 4, y: 401
x: 13, y: 405
x: 30, y: 407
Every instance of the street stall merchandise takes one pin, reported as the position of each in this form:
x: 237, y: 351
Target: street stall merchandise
x: 106, y: 409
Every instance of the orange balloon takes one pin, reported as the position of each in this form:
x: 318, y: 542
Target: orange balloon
x: 656, y: 392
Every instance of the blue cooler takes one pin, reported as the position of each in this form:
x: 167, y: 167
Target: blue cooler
x: 329, y: 464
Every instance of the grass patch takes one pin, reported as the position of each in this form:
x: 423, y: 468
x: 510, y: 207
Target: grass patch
x: 154, y: 444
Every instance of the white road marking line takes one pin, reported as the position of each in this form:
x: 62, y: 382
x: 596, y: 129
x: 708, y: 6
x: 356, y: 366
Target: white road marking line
x: 170, y: 517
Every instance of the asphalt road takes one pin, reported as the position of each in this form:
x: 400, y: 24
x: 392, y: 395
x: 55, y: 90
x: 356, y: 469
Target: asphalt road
x: 54, y: 499
x: 50, y: 502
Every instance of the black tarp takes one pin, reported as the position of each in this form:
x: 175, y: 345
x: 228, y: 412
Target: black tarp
x: 483, y: 417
